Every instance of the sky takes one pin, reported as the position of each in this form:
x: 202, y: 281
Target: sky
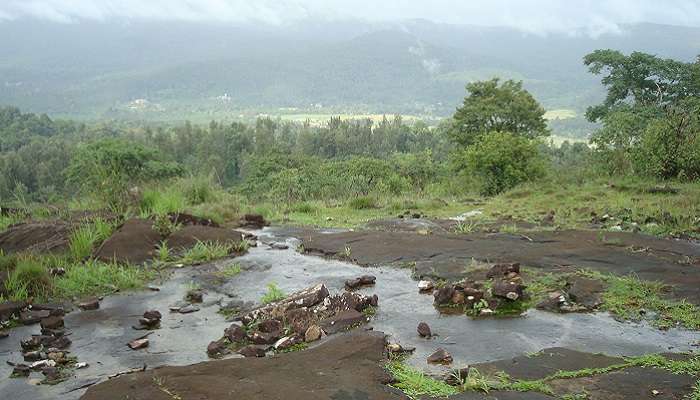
x: 592, y: 17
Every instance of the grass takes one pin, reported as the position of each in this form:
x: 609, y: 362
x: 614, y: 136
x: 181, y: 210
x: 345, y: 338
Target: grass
x: 363, y: 203
x: 273, y: 294
x: 162, y: 201
x: 230, y: 271
x: 94, y: 277
x: 627, y: 296
x: 204, y: 252
x: 29, y: 279
x: 415, y: 384
x: 88, y: 236
x: 11, y: 219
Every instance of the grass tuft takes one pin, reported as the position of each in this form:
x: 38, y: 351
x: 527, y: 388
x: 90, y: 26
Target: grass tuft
x: 415, y: 384
x: 273, y: 294
x: 206, y: 251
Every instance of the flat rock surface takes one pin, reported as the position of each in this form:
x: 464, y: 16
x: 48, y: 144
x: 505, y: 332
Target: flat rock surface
x: 445, y: 256
x: 345, y: 367
x: 134, y: 242
x: 42, y: 237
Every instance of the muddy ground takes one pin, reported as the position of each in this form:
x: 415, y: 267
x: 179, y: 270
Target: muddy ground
x: 350, y: 367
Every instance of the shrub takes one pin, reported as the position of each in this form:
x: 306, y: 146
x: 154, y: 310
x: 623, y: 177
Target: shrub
x: 362, y: 203
x: 502, y: 160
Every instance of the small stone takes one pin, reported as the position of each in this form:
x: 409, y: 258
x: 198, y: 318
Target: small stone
x: 154, y: 288
x: 90, y: 304
x: 32, y: 356
x: 655, y: 392
x: 361, y: 281
x: 486, y: 312
x: 138, y: 344
x: 57, y: 356
x: 312, y: 334
x: 81, y: 365
x: 252, y: 351
x: 424, y: 330
x: 52, y: 323
x: 51, y: 373
x: 21, y: 371
x: 195, y: 296
x: 284, y: 343
x: 235, y: 333
x: 458, y: 297
x: 216, y: 349
x: 42, y: 364
x: 440, y: 356
x: 425, y: 286
x: 279, y: 246
x: 188, y: 309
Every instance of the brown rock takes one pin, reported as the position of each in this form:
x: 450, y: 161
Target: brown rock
x: 312, y: 334
x: 90, y: 304
x: 9, y: 309
x: 444, y: 294
x: 30, y: 317
x: 440, y: 356
x: 152, y: 315
x: 195, y: 296
x: 502, y: 270
x: 586, y: 292
x: 252, y: 351
x: 216, y: 349
x: 270, y: 326
x: 52, y: 323
x: 263, y: 337
x: 424, y: 330
x: 458, y: 297
x: 507, y: 289
x: 138, y: 344
x: 361, y: 281
x: 343, y: 321
x: 21, y: 370
x: 235, y: 333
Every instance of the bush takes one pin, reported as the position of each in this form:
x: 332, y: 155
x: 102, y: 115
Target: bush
x: 363, y: 203
x: 664, y: 152
x: 502, y: 160
x: 30, y: 279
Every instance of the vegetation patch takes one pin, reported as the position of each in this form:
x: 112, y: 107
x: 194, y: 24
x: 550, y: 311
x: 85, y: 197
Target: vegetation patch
x: 416, y: 384
x: 273, y: 294
x: 205, y: 251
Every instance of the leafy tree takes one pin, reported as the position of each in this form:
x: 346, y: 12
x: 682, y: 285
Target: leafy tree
x: 491, y: 107
x: 502, y: 160
x: 108, y: 168
x: 641, y: 79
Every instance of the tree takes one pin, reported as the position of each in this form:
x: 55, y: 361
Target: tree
x: 640, y: 79
x: 491, y: 107
x: 502, y: 160
x: 108, y: 168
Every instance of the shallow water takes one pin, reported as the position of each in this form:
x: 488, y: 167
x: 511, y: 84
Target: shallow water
x: 99, y: 337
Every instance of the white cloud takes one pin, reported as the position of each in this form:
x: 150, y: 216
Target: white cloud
x: 592, y: 17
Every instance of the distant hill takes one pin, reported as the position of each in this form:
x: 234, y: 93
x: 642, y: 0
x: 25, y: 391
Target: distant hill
x: 178, y: 70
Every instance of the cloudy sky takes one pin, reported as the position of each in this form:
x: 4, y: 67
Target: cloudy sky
x: 536, y: 16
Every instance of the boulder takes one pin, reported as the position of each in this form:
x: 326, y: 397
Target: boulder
x: 54, y: 309
x: 134, y: 242
x: 52, y: 323
x: 444, y: 294
x: 217, y: 349
x: 235, y: 333
x: 424, y: 330
x: 272, y: 326
x: 585, y: 291
x: 30, y: 317
x: 440, y: 356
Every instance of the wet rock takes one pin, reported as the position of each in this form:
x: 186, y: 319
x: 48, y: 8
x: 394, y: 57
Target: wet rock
x: 343, y: 321
x: 285, y: 343
x: 235, y: 333
x: 138, y: 344
x: 252, y: 351
x: 305, y: 298
x: 424, y: 330
x: 4, y: 334
x: 425, y: 286
x: 39, y: 365
x: 507, y: 289
x: 217, y: 349
x: 502, y: 270
x: 52, y: 374
x: 81, y: 365
x: 361, y: 281
x: 184, y: 219
x: 263, y: 337
x: 440, y: 356
x: 190, y: 308
x: 134, y: 242
x: 11, y: 309
x: 553, y: 302
x: 54, y: 309
x: 21, y: 371
x: 152, y: 315
x: 60, y: 343
x: 444, y: 294
x: 312, y: 334
x: 586, y: 292
x: 279, y: 246
x: 195, y: 296
x: 90, y: 304
x: 458, y: 297
x: 30, y: 317
x: 32, y: 356
x: 52, y: 323
x: 397, y: 348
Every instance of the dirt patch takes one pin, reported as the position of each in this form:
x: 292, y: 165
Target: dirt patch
x: 345, y: 367
x: 134, y: 242
x: 189, y: 235
x: 40, y: 237
x: 447, y: 256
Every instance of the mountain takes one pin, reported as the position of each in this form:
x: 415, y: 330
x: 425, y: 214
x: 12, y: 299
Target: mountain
x: 169, y: 70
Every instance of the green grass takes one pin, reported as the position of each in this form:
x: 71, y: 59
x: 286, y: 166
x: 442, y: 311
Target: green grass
x: 7, y: 220
x: 88, y: 236
x: 29, y: 279
x: 230, y: 271
x: 162, y: 201
x: 273, y: 294
x: 204, y: 252
x: 415, y: 384
x: 627, y: 296
x: 94, y: 278
x: 363, y: 203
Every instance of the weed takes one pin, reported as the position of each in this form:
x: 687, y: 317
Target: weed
x: 94, y: 277
x: 347, y: 252
x: 241, y: 247
x: 273, y: 294
x: 29, y: 279
x: 363, y: 203
x: 415, y: 384
x: 230, y: 271
x: 164, y: 225
x: 303, y: 208
x: 296, y: 347
x: 370, y: 311
x: 163, y: 202
x: 508, y: 228
x: 163, y: 252
x: 84, y: 239
x: 205, y: 251
x: 467, y: 226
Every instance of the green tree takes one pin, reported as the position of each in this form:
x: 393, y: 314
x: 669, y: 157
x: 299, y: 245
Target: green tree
x: 490, y: 107
x: 108, y: 168
x: 502, y: 160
